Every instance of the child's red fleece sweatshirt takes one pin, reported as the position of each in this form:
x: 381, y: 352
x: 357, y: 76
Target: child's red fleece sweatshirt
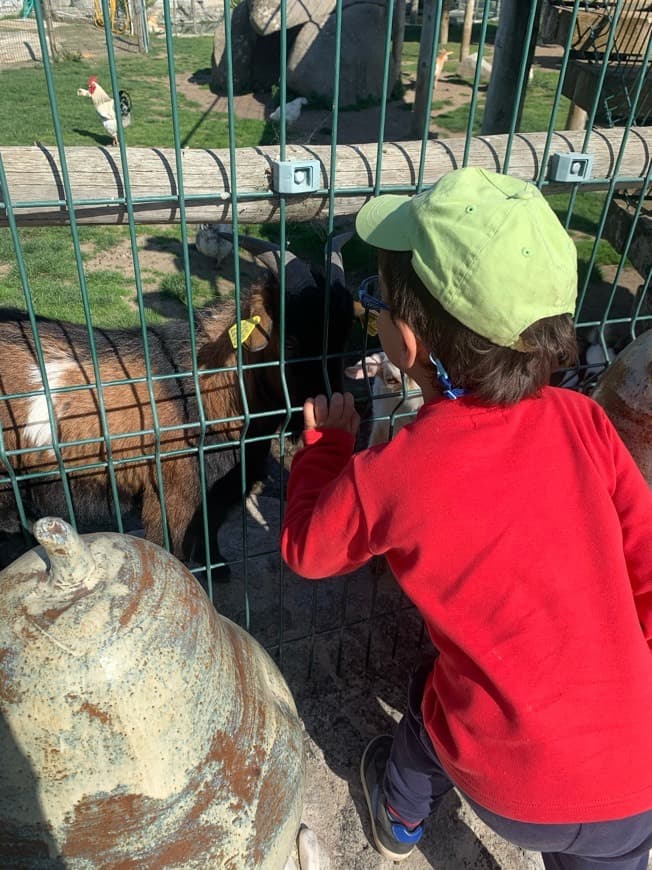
x: 523, y: 535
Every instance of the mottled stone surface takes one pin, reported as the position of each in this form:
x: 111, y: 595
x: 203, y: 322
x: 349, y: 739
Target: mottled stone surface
x: 265, y: 15
x: 138, y: 727
x: 625, y: 392
x: 311, y: 62
x: 243, y: 40
x: 310, y: 49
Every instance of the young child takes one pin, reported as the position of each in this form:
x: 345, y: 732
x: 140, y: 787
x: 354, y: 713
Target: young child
x: 513, y: 517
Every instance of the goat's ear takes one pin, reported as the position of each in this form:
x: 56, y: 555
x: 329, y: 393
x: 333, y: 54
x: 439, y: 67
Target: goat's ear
x: 260, y: 337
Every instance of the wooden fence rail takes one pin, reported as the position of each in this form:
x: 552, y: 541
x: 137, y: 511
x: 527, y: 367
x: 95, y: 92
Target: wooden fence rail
x: 96, y: 177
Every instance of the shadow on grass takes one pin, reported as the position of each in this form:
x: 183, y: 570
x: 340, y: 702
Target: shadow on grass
x: 97, y: 137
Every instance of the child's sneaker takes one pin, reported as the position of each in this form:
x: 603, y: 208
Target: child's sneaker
x: 392, y: 838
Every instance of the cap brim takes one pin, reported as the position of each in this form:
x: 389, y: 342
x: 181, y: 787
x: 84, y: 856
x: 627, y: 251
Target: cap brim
x: 386, y: 222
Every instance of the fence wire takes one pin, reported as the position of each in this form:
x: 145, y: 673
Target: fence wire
x: 276, y: 607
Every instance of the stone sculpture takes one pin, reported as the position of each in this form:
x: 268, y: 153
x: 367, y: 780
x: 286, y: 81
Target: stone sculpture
x: 139, y: 728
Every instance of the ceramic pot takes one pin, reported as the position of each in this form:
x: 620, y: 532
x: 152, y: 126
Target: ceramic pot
x: 625, y: 392
x: 138, y: 727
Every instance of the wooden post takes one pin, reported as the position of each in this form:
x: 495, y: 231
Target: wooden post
x: 422, y: 95
x: 97, y: 182
x: 577, y: 117
x: 445, y: 22
x: 139, y: 18
x: 467, y: 29
x: 510, y: 52
x: 49, y: 28
x: 398, y: 35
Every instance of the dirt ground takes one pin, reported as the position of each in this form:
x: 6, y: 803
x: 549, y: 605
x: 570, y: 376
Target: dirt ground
x: 348, y: 644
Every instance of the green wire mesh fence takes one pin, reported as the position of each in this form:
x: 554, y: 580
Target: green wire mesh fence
x: 122, y: 451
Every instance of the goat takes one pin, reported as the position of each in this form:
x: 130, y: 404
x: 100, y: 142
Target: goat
x: 386, y: 395
x: 130, y: 413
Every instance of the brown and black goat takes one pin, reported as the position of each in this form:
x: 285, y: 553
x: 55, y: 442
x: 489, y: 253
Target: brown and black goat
x: 131, y: 420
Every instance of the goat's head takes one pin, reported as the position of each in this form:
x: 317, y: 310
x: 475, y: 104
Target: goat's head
x: 308, y: 303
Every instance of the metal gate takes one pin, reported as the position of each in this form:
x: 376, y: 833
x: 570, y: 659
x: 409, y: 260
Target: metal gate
x: 63, y: 181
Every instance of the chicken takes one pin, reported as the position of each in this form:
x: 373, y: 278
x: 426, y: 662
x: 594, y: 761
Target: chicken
x: 292, y: 111
x: 105, y: 106
x: 210, y: 243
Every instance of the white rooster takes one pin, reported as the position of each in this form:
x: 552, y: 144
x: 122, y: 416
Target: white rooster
x: 105, y: 106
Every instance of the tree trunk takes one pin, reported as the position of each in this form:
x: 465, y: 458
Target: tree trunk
x: 511, y: 50
x: 49, y: 29
x: 422, y: 93
x: 467, y: 28
x: 445, y: 22
x: 577, y: 117
x: 98, y: 189
x: 139, y: 18
x: 398, y: 35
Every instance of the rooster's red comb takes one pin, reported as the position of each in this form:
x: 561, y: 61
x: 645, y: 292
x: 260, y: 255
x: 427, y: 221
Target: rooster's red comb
x: 92, y: 80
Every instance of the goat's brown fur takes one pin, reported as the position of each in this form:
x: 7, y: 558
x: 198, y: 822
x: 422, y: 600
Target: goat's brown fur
x: 226, y: 399
x: 128, y: 410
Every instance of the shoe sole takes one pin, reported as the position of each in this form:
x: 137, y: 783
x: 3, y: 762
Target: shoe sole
x: 384, y: 851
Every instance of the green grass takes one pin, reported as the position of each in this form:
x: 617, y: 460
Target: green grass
x: 536, y: 111
x: 27, y: 117
x: 54, y: 279
x: 173, y: 286
x: 48, y: 251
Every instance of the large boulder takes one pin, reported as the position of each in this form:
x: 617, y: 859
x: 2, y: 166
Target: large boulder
x: 265, y: 15
x: 243, y: 40
x: 311, y: 63
x: 255, y: 40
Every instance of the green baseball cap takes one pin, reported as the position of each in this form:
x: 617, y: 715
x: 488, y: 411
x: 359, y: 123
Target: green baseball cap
x: 487, y: 246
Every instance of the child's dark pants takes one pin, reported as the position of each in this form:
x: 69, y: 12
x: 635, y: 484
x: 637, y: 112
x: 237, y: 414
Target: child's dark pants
x: 415, y: 783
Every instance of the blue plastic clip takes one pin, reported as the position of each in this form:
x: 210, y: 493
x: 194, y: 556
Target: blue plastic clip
x: 448, y: 389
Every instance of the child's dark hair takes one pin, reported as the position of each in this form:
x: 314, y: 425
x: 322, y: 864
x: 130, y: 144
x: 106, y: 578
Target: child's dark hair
x: 495, y: 375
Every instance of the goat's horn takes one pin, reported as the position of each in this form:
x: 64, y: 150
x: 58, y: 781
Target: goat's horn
x: 337, y: 264
x: 297, y: 272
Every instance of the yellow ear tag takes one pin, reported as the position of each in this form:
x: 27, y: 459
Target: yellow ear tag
x: 372, y: 323
x: 246, y: 328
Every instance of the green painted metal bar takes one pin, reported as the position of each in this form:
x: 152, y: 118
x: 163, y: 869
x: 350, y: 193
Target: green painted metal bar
x: 188, y: 288
x: 476, y: 83
x: 283, y: 294
x: 236, y: 231
x: 612, y: 187
x: 558, y: 95
x: 331, y: 191
x: 598, y: 91
x: 38, y: 348
x: 431, y: 84
x: 136, y: 262
x: 384, y: 96
x: 325, y: 316
x: 519, y: 87
x: 47, y: 68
